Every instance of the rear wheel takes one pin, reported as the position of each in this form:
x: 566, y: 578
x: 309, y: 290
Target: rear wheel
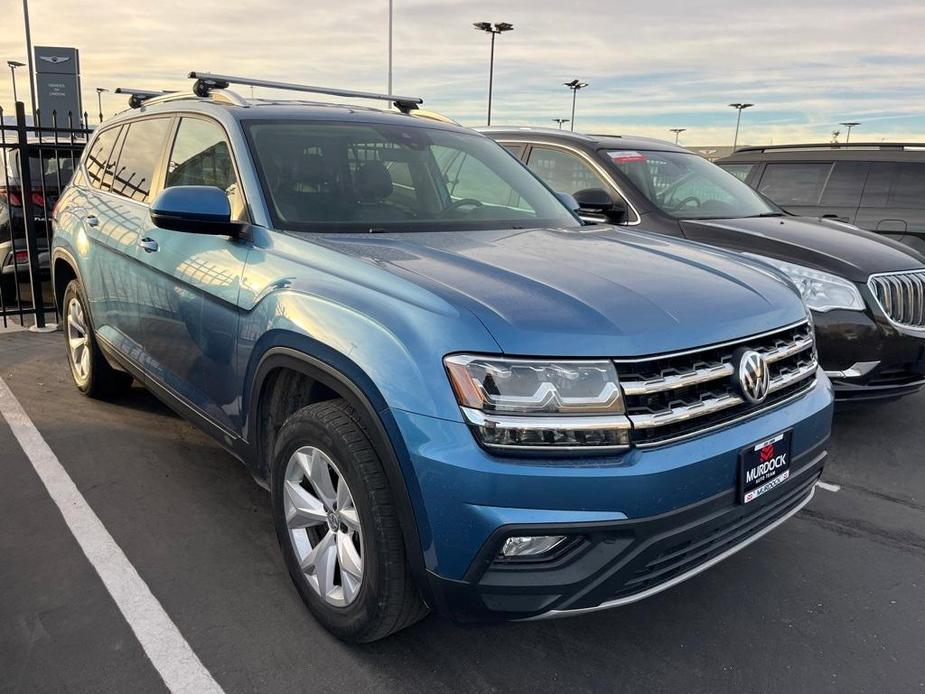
x: 92, y: 374
x: 338, y: 528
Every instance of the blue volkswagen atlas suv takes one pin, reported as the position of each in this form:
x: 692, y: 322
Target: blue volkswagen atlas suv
x: 459, y: 397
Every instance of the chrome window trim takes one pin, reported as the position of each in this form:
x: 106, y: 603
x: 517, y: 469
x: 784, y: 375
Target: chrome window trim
x: 918, y: 289
x: 600, y: 170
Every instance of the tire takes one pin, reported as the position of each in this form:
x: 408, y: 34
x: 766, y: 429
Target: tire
x: 327, y: 437
x: 8, y: 289
x: 92, y: 374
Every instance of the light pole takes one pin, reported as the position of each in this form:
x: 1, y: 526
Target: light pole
x: 849, y: 125
x: 25, y: 16
x: 560, y: 121
x: 13, y: 65
x: 677, y: 133
x: 99, y: 100
x: 389, y: 92
x: 574, y: 85
x: 739, y: 108
x: 494, y: 30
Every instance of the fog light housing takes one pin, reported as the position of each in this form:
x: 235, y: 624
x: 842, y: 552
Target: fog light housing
x: 530, y: 546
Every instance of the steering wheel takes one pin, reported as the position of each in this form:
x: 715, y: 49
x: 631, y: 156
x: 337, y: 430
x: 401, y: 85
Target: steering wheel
x: 689, y: 198
x: 461, y: 203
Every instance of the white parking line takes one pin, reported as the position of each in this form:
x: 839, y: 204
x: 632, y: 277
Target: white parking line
x: 828, y: 487
x: 171, y: 655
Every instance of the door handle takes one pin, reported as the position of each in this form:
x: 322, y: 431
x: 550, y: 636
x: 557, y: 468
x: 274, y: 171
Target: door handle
x: 149, y: 245
x: 91, y: 220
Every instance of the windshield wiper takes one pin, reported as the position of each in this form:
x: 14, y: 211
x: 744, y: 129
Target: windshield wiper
x: 766, y: 214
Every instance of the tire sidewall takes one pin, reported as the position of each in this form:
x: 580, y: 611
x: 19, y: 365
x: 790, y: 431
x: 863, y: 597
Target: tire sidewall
x: 351, y: 620
x: 75, y: 291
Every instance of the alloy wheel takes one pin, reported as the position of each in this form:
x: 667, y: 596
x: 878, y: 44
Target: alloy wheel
x: 324, y: 526
x: 78, y: 345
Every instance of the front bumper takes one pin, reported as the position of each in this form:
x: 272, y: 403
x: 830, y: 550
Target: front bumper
x: 867, y: 357
x: 639, y: 522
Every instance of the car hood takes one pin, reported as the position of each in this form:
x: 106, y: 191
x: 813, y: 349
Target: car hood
x: 841, y: 249
x: 603, y: 292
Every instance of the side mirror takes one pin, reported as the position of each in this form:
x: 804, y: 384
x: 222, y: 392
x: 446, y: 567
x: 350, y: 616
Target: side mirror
x: 195, y: 210
x: 598, y: 202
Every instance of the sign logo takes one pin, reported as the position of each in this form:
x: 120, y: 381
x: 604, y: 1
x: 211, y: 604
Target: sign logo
x: 752, y: 376
x: 766, y: 453
x: 55, y: 59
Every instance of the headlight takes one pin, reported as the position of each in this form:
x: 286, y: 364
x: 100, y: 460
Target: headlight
x: 820, y: 291
x: 518, y: 403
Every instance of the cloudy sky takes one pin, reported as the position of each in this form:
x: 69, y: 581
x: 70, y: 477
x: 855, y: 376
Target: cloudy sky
x: 807, y: 64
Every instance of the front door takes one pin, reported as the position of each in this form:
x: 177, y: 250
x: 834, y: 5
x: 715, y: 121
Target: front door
x: 192, y: 281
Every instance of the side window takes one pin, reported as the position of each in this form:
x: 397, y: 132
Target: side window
x: 879, y: 181
x: 201, y: 157
x: 563, y: 172
x: 516, y: 150
x: 98, y: 156
x: 141, y: 152
x: 740, y: 171
x: 794, y: 184
x: 908, y: 190
x: 845, y: 184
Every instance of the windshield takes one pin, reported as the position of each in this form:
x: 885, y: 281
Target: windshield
x: 321, y: 176
x: 687, y: 186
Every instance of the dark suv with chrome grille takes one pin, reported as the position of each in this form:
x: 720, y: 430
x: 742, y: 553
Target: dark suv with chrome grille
x: 866, y: 292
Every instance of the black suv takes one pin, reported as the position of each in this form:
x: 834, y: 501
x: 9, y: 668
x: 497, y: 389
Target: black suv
x: 866, y: 292
x: 877, y: 186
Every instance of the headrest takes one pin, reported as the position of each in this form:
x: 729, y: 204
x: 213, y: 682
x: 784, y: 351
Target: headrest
x: 374, y: 182
x: 309, y: 169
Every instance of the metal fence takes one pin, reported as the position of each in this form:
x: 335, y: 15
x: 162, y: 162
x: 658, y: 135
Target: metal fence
x: 36, y: 163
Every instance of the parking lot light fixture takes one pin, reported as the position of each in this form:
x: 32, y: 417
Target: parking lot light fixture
x: 739, y: 108
x: 560, y: 121
x: 849, y: 125
x: 13, y: 64
x: 574, y: 85
x: 99, y: 100
x: 494, y: 30
x: 677, y: 133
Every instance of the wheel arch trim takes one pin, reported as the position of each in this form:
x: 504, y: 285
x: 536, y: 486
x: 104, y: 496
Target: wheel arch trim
x: 380, y: 426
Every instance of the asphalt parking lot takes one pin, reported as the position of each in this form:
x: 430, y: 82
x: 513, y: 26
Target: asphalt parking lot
x: 832, y: 601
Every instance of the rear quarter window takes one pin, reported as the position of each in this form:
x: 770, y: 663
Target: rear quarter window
x: 795, y: 184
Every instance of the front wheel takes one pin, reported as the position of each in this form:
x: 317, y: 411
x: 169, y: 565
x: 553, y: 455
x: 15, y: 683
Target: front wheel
x: 337, y: 525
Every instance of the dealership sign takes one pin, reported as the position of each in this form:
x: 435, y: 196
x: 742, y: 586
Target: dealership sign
x: 57, y: 82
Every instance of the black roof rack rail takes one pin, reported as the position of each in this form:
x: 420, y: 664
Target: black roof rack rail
x: 138, y: 96
x: 206, y: 82
x: 831, y: 145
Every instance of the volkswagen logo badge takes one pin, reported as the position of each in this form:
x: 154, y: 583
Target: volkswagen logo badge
x: 752, y: 376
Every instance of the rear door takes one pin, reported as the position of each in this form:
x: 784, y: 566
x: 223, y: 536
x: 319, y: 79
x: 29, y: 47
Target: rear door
x: 192, y: 281
x: 893, y: 203
x: 111, y: 238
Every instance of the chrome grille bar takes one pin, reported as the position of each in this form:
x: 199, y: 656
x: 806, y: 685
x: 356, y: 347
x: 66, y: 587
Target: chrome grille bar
x: 901, y: 296
x: 712, y: 372
x: 716, y: 404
